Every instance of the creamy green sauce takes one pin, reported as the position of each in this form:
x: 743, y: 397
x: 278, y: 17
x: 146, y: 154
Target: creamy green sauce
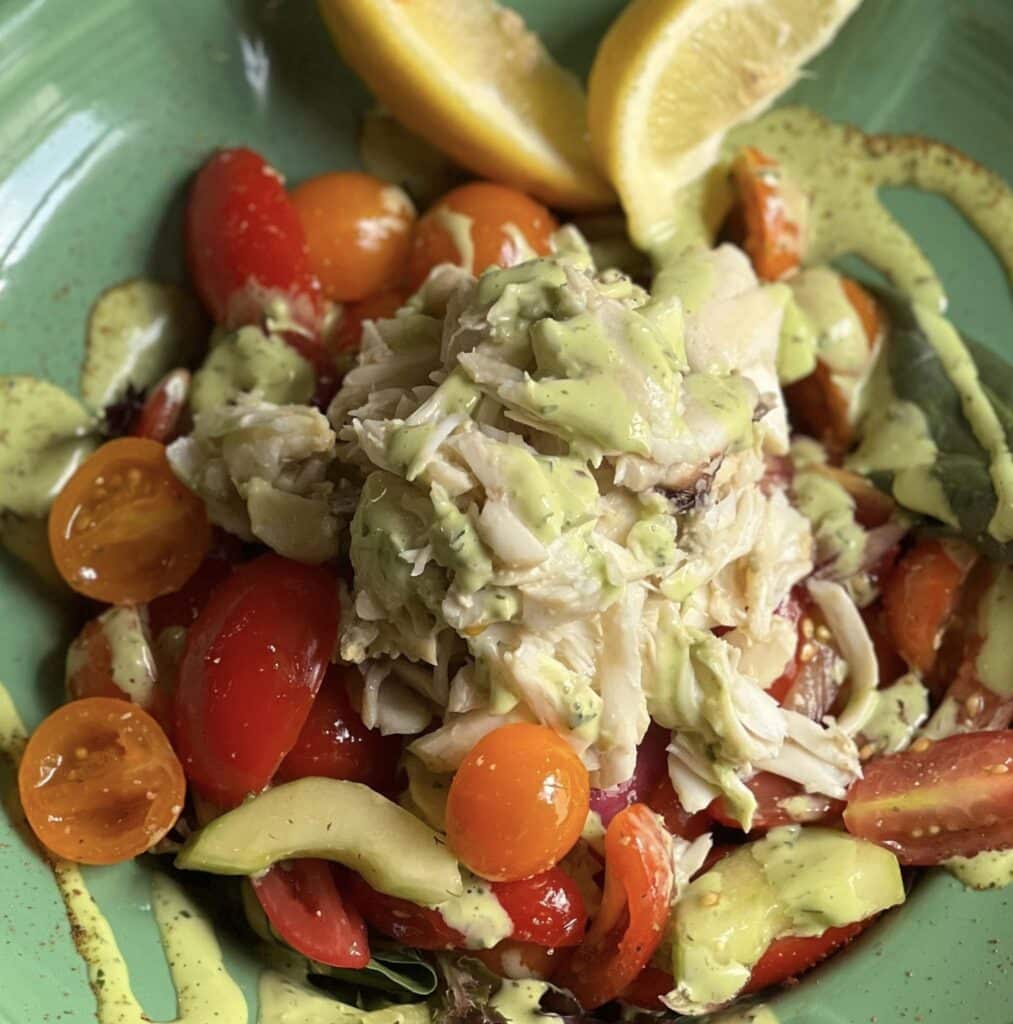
x: 137, y: 332
x: 519, y: 1001
x: 990, y: 870
x: 842, y: 169
x: 995, y: 659
x: 284, y: 1000
x: 133, y: 665
x: 840, y: 538
x: 477, y: 914
x: 45, y: 434
x: 458, y: 227
x: 247, y: 361
x: 900, y: 711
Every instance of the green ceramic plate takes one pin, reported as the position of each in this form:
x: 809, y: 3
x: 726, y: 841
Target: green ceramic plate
x: 106, y: 107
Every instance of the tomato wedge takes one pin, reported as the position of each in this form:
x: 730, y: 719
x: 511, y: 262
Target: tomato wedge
x: 634, y: 910
x: 305, y: 908
x: 789, y: 957
x: 772, y: 792
x: 950, y: 798
x: 921, y: 595
x: 773, y: 241
x: 546, y: 910
x: 664, y: 800
x: 253, y: 663
x: 159, y: 417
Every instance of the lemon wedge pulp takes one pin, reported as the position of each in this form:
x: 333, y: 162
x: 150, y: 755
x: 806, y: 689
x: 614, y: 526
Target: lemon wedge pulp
x: 673, y: 76
x: 474, y: 81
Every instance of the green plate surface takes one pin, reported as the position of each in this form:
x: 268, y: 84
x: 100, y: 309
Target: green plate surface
x: 107, y: 106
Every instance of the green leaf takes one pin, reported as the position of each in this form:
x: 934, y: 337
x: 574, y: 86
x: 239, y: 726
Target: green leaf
x: 393, y: 968
x: 962, y: 464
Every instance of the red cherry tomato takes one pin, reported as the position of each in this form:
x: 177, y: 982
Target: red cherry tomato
x: 377, y: 307
x: 245, y: 246
x: 546, y: 910
x: 335, y: 744
x: 791, y: 956
x: 304, y: 905
x: 517, y: 803
x: 634, y: 910
x: 664, y: 800
x: 99, y: 782
x: 358, y: 232
x: 159, y: 417
x: 253, y: 663
x: 123, y: 529
x: 920, y: 596
x: 771, y: 792
x: 950, y: 798
x: 489, y: 216
x: 512, y: 959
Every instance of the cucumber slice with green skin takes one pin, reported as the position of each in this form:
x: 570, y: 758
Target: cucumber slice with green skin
x: 341, y: 821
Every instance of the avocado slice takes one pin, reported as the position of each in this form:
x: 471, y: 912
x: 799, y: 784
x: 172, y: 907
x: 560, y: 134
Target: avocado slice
x: 341, y: 821
x: 795, y: 881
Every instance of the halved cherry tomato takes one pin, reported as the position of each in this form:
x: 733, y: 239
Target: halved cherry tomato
x: 355, y: 314
x: 512, y: 959
x: 791, y: 956
x: 335, y: 743
x: 785, y: 958
x: 358, y: 232
x: 634, y: 910
x: 159, y: 417
x: 773, y: 241
x: 254, y: 661
x: 953, y: 797
x: 817, y: 405
x: 518, y: 802
x: 664, y: 800
x: 245, y: 246
x: 302, y: 901
x: 976, y: 707
x: 546, y: 910
x: 123, y: 529
x: 920, y: 596
x: 489, y: 218
x: 771, y: 792
x: 99, y: 782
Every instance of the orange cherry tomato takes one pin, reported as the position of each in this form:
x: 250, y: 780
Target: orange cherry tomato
x: 518, y: 802
x: 123, y: 529
x: 99, y: 782
x: 773, y: 240
x: 348, y: 336
x: 358, y: 232
x: 497, y: 214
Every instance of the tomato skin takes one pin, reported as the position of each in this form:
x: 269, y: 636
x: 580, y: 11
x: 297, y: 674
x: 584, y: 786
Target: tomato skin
x: 634, y: 910
x: 770, y: 791
x: 244, y: 242
x: 773, y: 241
x: 546, y: 910
x: 919, y: 598
x: 376, y: 307
x: 789, y: 957
x: 491, y: 208
x: 159, y: 417
x: 124, y: 530
x: 253, y: 663
x: 664, y: 800
x: 334, y: 742
x: 518, y: 803
x: 302, y: 901
x: 99, y: 781
x: 358, y: 232
x: 953, y: 797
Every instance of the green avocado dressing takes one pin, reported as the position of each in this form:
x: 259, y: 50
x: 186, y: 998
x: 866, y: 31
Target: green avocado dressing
x: 992, y: 869
x: 520, y: 1002
x: 137, y: 332
x: 45, y: 434
x: 249, y: 360
x: 900, y: 711
x: 839, y: 538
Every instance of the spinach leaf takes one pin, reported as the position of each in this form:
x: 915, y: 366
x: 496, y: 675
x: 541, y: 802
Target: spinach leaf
x: 393, y: 968
x: 962, y: 464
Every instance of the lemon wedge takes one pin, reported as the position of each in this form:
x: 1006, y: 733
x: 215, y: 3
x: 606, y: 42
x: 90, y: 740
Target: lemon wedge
x: 671, y: 77
x: 474, y: 81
